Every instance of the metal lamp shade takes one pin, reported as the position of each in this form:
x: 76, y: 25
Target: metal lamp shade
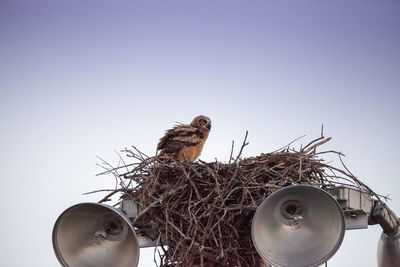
x: 389, y: 250
x: 298, y: 226
x: 92, y: 234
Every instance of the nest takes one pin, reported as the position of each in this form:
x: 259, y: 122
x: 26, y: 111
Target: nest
x: 202, y: 212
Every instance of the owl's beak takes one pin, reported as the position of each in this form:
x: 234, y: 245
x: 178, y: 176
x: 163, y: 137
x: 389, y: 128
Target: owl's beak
x: 208, y: 125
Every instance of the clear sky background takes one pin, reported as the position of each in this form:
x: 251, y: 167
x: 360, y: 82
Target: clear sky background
x: 79, y: 79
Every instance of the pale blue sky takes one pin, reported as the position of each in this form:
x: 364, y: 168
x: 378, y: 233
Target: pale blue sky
x: 79, y: 79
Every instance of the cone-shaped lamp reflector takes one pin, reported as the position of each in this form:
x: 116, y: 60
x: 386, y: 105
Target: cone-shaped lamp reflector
x: 298, y: 226
x: 389, y: 250
x: 95, y: 235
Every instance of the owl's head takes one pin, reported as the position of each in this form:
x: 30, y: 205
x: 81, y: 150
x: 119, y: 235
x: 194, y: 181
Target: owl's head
x: 201, y: 122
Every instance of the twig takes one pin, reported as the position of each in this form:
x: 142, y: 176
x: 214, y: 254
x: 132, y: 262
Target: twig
x: 241, y: 148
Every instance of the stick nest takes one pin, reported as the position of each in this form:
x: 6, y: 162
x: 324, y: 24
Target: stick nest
x: 202, y: 212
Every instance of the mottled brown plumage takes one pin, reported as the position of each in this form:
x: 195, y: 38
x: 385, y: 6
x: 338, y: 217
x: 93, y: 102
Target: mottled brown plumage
x: 185, y: 142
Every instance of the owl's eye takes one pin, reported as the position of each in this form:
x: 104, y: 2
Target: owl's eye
x: 202, y: 122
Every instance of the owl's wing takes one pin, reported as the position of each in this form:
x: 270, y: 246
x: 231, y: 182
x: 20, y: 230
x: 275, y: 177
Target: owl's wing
x: 179, y: 137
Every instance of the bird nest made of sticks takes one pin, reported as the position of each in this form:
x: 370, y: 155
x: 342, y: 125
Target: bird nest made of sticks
x: 202, y: 211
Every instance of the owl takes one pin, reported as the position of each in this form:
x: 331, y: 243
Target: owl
x: 185, y: 142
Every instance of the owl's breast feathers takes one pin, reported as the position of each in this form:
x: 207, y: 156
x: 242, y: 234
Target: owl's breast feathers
x: 183, y: 142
